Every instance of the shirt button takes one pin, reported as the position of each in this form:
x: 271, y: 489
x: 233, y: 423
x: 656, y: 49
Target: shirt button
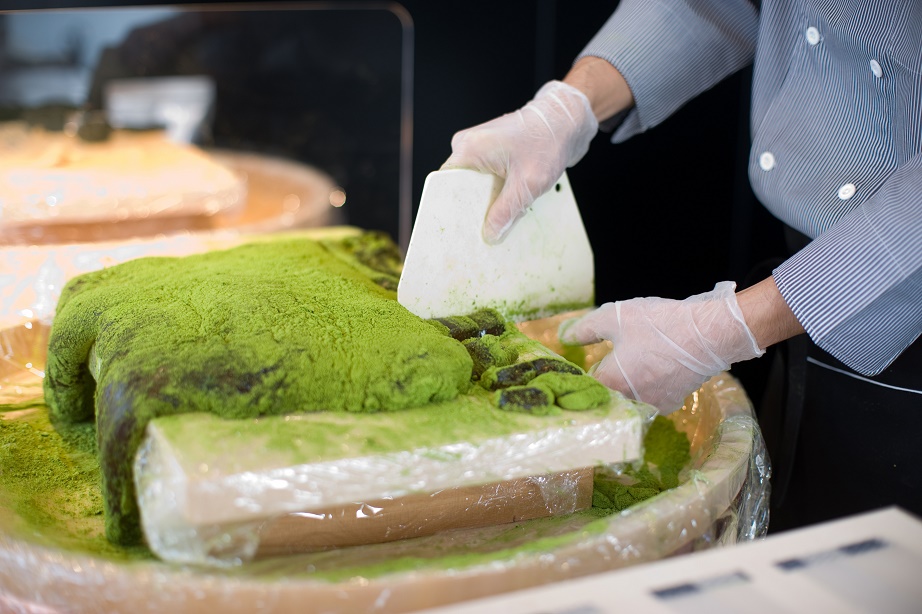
x: 813, y: 35
x: 847, y: 191
x: 767, y: 161
x: 876, y: 69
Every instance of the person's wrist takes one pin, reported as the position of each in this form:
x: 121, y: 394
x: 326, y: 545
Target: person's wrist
x: 603, y: 85
x: 574, y: 124
x: 574, y: 100
x: 767, y: 314
x: 745, y: 346
x: 723, y: 330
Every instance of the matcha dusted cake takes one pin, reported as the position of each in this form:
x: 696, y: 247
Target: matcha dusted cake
x: 247, y: 337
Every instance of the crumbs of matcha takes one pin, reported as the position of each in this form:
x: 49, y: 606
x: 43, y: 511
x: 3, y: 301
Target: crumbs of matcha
x: 374, y: 253
x: 49, y: 479
x: 666, y: 453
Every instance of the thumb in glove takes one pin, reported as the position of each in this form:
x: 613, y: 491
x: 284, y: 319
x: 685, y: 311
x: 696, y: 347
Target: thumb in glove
x: 665, y: 349
x: 530, y: 148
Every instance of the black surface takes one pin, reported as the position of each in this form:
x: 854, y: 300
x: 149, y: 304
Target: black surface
x: 855, y: 447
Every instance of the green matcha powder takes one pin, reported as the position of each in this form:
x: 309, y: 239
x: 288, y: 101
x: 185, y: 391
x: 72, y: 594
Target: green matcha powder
x: 250, y: 332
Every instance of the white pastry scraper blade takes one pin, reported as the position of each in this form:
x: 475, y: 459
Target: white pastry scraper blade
x: 543, y: 267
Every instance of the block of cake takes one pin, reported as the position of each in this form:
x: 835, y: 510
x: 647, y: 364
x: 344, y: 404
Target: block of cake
x: 51, y: 177
x: 237, y: 390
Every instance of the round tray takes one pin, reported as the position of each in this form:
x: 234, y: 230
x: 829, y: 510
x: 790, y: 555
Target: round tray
x: 280, y: 194
x: 38, y: 574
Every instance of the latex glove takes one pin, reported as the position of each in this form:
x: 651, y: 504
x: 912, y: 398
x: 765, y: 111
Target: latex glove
x: 529, y: 148
x: 665, y: 349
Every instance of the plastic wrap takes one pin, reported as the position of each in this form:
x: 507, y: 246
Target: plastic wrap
x: 269, y: 194
x: 207, y: 494
x: 65, y: 565
x: 53, y: 177
x: 705, y: 511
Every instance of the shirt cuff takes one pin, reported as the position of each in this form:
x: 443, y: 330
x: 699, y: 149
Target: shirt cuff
x: 669, y: 52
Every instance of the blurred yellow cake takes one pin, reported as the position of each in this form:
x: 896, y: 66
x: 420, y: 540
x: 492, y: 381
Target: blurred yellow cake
x: 54, y: 178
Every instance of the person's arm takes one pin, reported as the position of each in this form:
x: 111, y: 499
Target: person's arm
x: 674, y: 50
x: 767, y: 315
x: 605, y: 88
x: 663, y: 349
x: 857, y: 287
x: 668, y: 52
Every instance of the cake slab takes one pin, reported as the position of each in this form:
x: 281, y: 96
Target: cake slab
x: 414, y: 516
x: 207, y: 486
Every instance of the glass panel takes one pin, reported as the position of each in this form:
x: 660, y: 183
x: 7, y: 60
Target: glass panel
x: 307, y: 106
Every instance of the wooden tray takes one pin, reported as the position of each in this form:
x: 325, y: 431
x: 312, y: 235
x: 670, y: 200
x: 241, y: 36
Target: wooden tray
x: 281, y: 194
x: 398, y: 576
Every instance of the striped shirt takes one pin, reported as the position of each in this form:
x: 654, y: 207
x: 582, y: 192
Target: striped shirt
x: 836, y: 125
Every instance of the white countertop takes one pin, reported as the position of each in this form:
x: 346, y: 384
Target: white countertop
x: 866, y: 563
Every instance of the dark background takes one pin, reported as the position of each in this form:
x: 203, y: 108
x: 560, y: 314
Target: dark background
x: 669, y: 213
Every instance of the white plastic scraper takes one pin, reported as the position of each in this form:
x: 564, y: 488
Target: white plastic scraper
x: 544, y: 265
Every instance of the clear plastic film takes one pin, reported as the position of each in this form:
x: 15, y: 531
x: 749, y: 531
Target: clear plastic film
x: 524, y: 527
x: 220, y: 499
x: 54, y: 178
x: 264, y: 194
x: 722, y: 501
x: 366, y: 522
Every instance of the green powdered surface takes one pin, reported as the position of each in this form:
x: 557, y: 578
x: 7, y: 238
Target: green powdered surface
x: 531, y: 399
x: 50, y: 495
x: 489, y: 351
x: 50, y: 484
x: 273, y: 327
x: 202, y: 337
x: 261, y: 329
x: 276, y: 309
x: 666, y: 454
x: 572, y: 391
x: 297, y: 439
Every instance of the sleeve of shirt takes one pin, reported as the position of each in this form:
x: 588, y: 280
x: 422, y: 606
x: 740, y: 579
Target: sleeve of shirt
x: 669, y: 51
x: 857, y: 288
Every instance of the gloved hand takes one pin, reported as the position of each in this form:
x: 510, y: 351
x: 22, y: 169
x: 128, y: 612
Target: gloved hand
x: 665, y: 349
x: 530, y: 148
